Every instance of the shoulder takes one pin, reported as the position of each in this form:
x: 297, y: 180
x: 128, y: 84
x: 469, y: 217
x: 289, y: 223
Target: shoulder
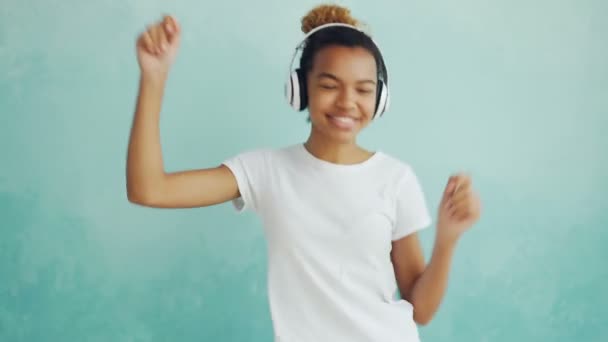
x: 394, y: 168
x: 263, y: 154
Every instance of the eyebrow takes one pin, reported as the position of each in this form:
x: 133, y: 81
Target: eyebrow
x: 333, y: 77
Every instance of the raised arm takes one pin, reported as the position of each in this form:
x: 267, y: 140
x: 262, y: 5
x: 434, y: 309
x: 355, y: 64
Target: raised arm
x: 147, y: 182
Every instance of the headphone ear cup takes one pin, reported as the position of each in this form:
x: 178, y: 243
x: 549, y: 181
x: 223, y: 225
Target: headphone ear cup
x: 302, y: 93
x: 382, y: 99
x: 295, y: 90
x: 387, y: 101
x: 288, y: 91
x: 292, y: 90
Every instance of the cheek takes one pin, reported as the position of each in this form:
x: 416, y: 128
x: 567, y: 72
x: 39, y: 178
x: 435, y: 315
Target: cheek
x: 321, y: 102
x: 367, y: 105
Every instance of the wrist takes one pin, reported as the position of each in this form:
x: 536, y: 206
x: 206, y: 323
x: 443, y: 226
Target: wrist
x: 444, y: 242
x: 154, y: 77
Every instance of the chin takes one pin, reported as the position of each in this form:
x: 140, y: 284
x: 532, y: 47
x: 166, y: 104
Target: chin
x: 324, y: 126
x: 341, y: 137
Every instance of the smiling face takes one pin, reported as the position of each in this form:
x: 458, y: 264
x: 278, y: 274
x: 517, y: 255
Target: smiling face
x: 341, y: 92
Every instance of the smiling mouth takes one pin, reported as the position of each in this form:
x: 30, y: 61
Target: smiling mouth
x: 342, y: 122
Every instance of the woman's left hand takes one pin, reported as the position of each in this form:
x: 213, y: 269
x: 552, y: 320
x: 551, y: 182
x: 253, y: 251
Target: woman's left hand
x: 460, y: 208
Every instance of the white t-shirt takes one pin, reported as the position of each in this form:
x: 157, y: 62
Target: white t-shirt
x: 329, y: 229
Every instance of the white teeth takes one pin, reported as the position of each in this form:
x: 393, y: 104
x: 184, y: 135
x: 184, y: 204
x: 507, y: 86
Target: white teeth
x: 343, y: 119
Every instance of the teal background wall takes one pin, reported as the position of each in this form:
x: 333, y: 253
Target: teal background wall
x: 515, y: 92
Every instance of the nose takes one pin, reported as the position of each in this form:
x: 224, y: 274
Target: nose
x: 346, y: 99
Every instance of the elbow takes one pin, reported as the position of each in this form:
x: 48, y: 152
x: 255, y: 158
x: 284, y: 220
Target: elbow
x: 422, y: 320
x: 136, y: 199
x: 133, y: 196
x: 422, y: 317
x: 139, y: 197
x: 144, y: 201
x: 141, y: 194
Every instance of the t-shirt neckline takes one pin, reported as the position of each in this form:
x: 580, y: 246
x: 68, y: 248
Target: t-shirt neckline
x: 329, y: 165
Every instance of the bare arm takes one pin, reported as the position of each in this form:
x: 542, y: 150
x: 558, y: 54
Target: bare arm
x: 422, y: 285
x: 147, y: 182
x: 425, y: 285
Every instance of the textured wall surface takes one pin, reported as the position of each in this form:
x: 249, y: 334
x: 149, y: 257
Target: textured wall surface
x: 515, y: 92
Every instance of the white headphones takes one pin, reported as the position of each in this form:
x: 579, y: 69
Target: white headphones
x: 295, y: 87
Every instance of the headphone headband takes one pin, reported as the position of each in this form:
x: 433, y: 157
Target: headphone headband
x: 319, y: 28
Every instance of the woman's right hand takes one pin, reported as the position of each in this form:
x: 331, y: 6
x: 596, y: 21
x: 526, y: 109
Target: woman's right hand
x: 157, y: 47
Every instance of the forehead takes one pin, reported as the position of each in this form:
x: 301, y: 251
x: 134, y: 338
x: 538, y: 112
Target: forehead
x: 348, y: 63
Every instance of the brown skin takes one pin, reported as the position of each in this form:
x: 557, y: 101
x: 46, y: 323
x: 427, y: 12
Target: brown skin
x: 148, y: 184
x: 424, y: 285
x: 342, y: 82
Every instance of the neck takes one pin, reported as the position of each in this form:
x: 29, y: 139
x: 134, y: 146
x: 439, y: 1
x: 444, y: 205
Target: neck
x: 336, y: 152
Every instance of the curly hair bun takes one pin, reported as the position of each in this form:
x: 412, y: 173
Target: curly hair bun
x: 326, y: 14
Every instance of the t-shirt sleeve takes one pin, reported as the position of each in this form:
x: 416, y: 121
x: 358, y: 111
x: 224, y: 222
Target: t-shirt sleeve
x: 412, y: 211
x: 250, y: 170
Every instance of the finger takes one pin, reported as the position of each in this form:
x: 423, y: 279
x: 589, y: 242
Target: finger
x: 146, y: 41
x: 450, y: 205
x: 463, y: 193
x: 169, y: 24
x: 464, y: 182
x: 460, y: 213
x: 162, y: 39
x: 464, y: 203
x: 459, y: 206
x: 171, y: 28
x: 166, y: 29
x: 151, y: 40
x: 469, y: 208
x: 449, y: 188
x: 155, y: 33
x: 453, y: 186
x: 463, y: 185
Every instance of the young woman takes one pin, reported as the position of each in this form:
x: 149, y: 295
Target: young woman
x: 345, y: 263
